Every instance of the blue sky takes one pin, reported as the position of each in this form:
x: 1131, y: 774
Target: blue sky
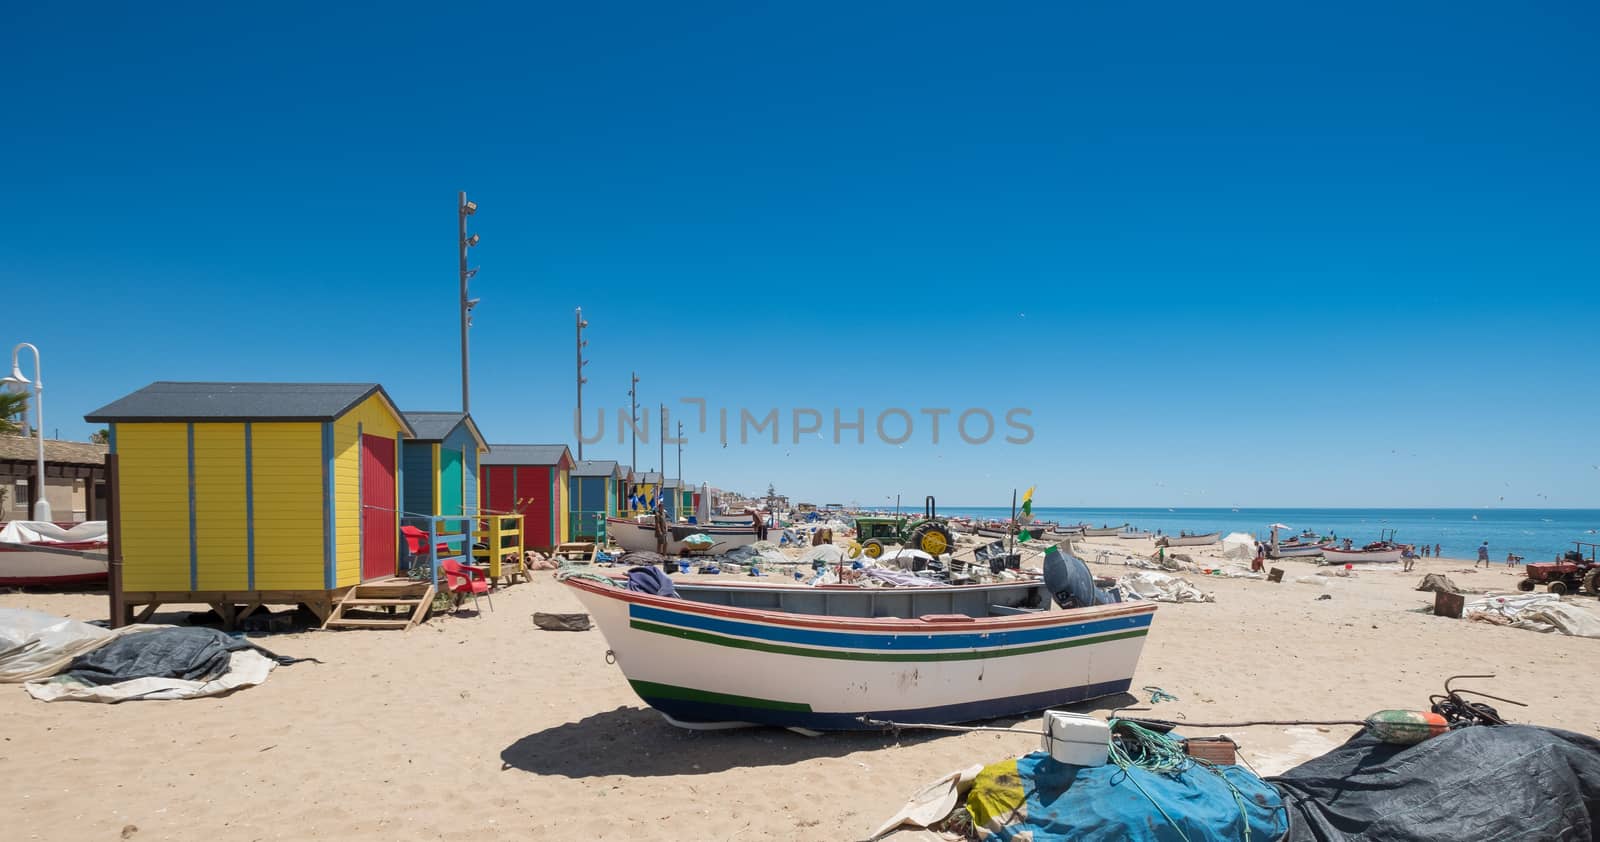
x: 1257, y: 255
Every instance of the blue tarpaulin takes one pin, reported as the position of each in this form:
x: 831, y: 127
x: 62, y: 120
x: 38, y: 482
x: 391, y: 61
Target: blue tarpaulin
x: 1036, y: 798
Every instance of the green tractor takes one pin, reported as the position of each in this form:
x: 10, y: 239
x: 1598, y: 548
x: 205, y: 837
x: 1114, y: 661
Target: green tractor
x: 929, y: 533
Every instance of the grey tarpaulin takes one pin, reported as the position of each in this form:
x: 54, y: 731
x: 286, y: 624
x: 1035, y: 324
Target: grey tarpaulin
x: 191, y: 654
x: 561, y: 622
x: 1510, y: 782
x: 642, y: 558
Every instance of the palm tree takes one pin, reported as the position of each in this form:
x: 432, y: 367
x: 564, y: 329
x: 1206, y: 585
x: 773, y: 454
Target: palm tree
x: 13, y: 405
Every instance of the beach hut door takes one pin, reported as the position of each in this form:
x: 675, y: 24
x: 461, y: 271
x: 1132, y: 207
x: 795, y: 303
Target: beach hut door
x: 377, y: 508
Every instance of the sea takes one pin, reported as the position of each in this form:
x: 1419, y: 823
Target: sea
x: 1534, y: 534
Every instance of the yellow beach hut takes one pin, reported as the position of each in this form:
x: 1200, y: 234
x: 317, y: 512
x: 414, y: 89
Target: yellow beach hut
x: 245, y: 494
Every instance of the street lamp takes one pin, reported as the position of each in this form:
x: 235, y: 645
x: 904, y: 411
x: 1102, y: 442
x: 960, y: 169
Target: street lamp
x: 578, y: 313
x: 465, y: 209
x: 633, y: 395
x: 41, y: 506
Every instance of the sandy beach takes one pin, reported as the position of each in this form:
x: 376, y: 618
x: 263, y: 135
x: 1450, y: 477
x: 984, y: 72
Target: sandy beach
x: 474, y: 727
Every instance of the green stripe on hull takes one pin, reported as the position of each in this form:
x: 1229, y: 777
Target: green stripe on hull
x: 652, y: 690
x: 842, y: 655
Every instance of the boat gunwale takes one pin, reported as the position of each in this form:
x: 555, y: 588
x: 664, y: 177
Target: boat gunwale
x: 1064, y: 617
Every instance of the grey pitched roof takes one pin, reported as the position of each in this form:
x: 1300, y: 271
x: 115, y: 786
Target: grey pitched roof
x: 670, y: 482
x: 525, y: 454
x: 166, y: 400
x: 595, y: 468
x: 437, y: 426
x: 648, y: 478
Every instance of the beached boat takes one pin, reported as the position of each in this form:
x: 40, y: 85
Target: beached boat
x: 1304, y: 545
x: 1102, y: 531
x: 1370, y: 553
x: 1193, y: 540
x: 38, y: 553
x: 1296, y: 549
x: 640, y: 535
x: 823, y: 658
x: 1134, y: 536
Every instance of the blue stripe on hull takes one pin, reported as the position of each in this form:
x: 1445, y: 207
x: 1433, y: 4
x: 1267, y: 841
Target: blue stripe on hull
x: 687, y: 711
x: 898, y: 639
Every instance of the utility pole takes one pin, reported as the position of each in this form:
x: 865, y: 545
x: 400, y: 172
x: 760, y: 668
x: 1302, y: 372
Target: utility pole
x: 465, y: 209
x: 633, y: 395
x: 680, y: 456
x: 662, y: 423
x: 581, y: 379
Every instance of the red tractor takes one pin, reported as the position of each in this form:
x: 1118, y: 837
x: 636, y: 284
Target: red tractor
x: 1571, y: 573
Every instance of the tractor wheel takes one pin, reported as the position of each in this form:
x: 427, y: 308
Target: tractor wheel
x: 1558, y: 587
x: 873, y: 548
x: 932, y: 538
x: 1526, y: 585
x: 1591, y: 581
x: 853, y: 551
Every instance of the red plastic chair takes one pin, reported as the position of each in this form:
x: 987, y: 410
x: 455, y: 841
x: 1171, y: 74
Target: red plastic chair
x: 461, y: 579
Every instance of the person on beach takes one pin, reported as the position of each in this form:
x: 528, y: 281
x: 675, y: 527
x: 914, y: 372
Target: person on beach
x: 1424, y: 550
x: 1435, y: 550
x: 1483, y: 556
x: 1410, y: 559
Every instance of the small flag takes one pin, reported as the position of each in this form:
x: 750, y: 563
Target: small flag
x: 1027, y: 506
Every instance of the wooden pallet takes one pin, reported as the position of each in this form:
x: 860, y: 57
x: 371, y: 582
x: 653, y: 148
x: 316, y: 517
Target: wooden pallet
x: 406, y: 602
x: 580, y: 551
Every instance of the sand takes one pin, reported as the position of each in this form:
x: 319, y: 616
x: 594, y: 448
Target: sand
x: 477, y: 728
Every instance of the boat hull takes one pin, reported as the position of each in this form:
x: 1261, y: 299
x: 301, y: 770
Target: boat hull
x: 1333, y: 556
x: 637, y: 536
x: 59, y: 566
x: 1298, y: 552
x: 700, y: 663
x: 1194, y: 540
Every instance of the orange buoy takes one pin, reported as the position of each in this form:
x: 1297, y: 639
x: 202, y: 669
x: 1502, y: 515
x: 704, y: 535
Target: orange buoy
x: 1406, y: 727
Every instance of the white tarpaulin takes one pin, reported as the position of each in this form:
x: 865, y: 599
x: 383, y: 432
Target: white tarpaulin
x: 828, y: 554
x: 904, y: 557
x: 931, y: 804
x: 1239, y: 546
x: 36, y: 645
x: 40, y: 532
x: 1535, y: 612
x: 1160, y: 587
x: 246, y: 668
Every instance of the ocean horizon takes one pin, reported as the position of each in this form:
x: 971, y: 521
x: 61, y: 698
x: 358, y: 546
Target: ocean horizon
x: 1535, y: 534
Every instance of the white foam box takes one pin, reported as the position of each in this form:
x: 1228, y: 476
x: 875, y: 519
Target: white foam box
x: 1076, y: 739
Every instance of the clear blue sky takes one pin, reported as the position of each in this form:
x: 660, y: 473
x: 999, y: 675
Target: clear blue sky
x: 1258, y: 254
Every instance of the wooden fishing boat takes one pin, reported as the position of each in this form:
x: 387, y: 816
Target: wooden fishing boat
x: 1134, y: 536
x: 640, y: 535
x: 35, y: 553
x: 1296, y: 549
x: 1193, y: 540
x: 1102, y: 531
x: 1369, y: 553
x: 822, y: 658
